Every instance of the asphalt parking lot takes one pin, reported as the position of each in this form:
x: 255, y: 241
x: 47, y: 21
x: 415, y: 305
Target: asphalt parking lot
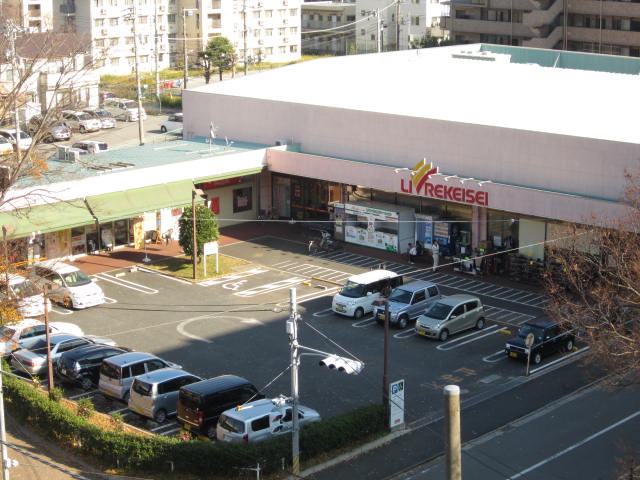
x: 236, y: 324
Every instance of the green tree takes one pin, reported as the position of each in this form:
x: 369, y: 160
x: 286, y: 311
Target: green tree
x: 206, y: 226
x: 220, y: 54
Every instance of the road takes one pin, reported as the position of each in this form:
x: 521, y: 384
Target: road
x: 588, y: 435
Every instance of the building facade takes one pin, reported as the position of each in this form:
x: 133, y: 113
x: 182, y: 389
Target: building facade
x: 328, y: 28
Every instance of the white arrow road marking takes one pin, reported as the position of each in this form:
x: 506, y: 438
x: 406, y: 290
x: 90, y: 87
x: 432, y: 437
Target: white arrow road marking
x: 181, y: 328
x: 231, y: 277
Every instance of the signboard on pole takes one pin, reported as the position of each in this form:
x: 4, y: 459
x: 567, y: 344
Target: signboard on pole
x: 210, y: 248
x: 396, y: 403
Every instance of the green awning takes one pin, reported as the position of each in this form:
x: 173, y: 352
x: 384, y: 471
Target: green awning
x: 131, y: 203
x: 46, y: 218
x: 224, y: 176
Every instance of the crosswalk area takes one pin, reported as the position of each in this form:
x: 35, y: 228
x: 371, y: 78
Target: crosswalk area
x: 463, y: 283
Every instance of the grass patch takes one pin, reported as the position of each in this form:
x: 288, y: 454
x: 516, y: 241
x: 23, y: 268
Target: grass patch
x: 182, y: 266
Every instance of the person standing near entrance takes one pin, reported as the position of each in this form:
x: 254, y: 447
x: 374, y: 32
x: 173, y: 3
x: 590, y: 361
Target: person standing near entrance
x: 411, y: 252
x: 435, y: 253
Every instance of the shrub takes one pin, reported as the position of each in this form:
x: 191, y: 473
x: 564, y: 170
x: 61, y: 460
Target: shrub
x: 85, y: 408
x: 55, y: 394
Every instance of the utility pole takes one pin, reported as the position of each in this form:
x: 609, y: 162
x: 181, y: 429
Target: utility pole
x: 379, y: 30
x: 11, y: 31
x: 133, y: 16
x: 48, y: 339
x: 185, y: 75
x: 397, y: 25
x: 156, y: 46
x: 292, y: 330
x: 244, y: 34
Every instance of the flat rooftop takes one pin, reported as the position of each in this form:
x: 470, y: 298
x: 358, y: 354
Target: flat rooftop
x: 583, y: 95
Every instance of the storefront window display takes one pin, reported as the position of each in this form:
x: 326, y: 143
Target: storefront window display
x: 309, y: 199
x: 242, y: 199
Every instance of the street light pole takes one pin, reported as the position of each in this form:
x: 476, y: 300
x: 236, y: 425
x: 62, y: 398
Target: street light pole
x: 185, y: 74
x: 48, y: 337
x: 195, y: 234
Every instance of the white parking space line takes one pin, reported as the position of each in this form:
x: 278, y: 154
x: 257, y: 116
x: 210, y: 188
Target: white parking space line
x: 269, y: 287
x: 365, y: 322
x: 468, y: 338
x: 323, y: 313
x: 231, y: 277
x: 164, y: 275
x: 84, y: 394
x: 498, y: 356
x: 122, y: 410
x: 284, y: 264
x: 310, y: 296
x: 169, y: 432
x: 408, y: 333
x: 61, y: 312
x: 110, y: 300
x: 127, y: 284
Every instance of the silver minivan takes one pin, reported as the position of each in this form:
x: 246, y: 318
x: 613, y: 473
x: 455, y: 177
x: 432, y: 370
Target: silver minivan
x: 155, y: 394
x: 450, y: 315
x: 408, y: 301
x: 361, y: 291
x: 117, y: 373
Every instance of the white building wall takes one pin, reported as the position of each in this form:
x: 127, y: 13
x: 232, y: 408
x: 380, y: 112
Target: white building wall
x: 412, y: 23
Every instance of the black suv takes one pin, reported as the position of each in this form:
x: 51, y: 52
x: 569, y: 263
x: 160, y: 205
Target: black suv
x: 82, y: 365
x: 548, y: 338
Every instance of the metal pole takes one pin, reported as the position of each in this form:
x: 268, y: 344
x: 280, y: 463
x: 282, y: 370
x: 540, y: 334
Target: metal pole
x: 195, y: 236
x: 293, y: 338
x: 385, y: 374
x: 155, y: 36
x: 139, y: 90
x: 184, y: 48
x: 3, y: 433
x: 397, y: 25
x: 6, y: 259
x: 379, y: 30
x: 452, y: 432
x: 48, y: 337
x: 244, y: 34
x: 14, y: 83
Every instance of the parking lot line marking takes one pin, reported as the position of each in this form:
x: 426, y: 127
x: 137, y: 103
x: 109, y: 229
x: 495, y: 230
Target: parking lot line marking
x: 234, y: 276
x: 323, y: 313
x: 169, y: 432
x: 61, y: 312
x: 180, y: 328
x: 309, y: 296
x: 110, y: 300
x: 465, y: 339
x: 408, y: 333
x: 499, y: 356
x: 574, y: 446
x: 84, y: 394
x: 127, y: 284
x: 365, y: 322
x: 270, y: 287
x: 122, y: 410
x: 170, y: 277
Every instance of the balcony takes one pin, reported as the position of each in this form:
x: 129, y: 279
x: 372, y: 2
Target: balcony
x: 547, y: 16
x: 469, y: 25
x: 615, y: 9
x: 612, y: 37
x: 548, y: 41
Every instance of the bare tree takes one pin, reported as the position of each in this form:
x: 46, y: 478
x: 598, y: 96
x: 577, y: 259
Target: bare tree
x: 595, y: 287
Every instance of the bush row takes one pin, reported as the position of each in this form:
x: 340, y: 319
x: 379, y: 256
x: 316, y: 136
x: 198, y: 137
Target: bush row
x: 160, y: 454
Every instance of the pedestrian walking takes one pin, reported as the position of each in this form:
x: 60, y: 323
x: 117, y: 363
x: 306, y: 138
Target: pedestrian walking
x: 435, y: 253
x: 411, y: 251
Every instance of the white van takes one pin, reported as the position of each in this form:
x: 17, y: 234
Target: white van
x: 69, y: 286
x: 29, y: 298
x: 358, y: 294
x: 124, y: 109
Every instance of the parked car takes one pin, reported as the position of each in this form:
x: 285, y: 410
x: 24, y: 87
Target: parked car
x: 12, y: 337
x: 81, y: 121
x: 361, y: 291
x: 68, y: 285
x: 106, y: 119
x: 123, y: 109
x: 82, y: 365
x: 172, y: 124
x: 548, y: 338
x: 32, y: 357
x: 6, y: 147
x: 155, y: 394
x: 408, y: 301
x: 10, y: 134
x: 53, y: 130
x: 90, y: 146
x: 28, y: 297
x: 105, y: 96
x: 201, y: 403
x: 451, y: 315
x: 117, y: 373
x: 261, y: 419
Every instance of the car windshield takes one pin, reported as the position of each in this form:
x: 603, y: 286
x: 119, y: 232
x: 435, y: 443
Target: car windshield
x: 142, y: 388
x: 401, y: 296
x: 3, y: 139
x: 75, y: 279
x: 24, y: 135
x: 84, y: 116
x: 37, y: 345
x: 439, y: 311
x: 352, y: 290
x: 102, y: 113
x: 231, y: 424
x: 25, y: 289
x: 527, y: 329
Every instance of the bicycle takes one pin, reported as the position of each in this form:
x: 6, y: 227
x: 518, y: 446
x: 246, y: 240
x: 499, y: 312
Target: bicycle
x: 326, y: 244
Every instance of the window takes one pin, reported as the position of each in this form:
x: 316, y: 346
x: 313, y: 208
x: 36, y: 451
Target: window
x: 113, y: 3
x: 282, y: 49
x: 351, y: 18
x: 293, y: 12
x: 320, y: 18
x: 99, y: 22
x: 242, y: 198
x: 257, y: 32
x: 268, y: 13
x: 113, y: 22
x: 115, y: 62
x: 99, y: 42
x: 415, y: 21
x: 113, y: 42
x: 256, y: 13
x: 419, y: 296
x: 143, y: 20
x: 137, y: 369
x: 282, y: 31
x: 128, y: 41
x: 268, y: 32
x: 362, y: 31
x: 282, y: 13
x: 170, y: 385
x: 131, y: 60
x: 261, y: 423
x: 459, y: 310
x: 433, y: 291
x: 269, y: 50
x: 154, y: 364
x: 293, y: 48
x: 293, y: 30
x: 471, y: 305
x: 144, y: 58
x: 171, y: 18
x: 311, y: 16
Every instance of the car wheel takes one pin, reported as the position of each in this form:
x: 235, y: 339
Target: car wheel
x: 359, y: 313
x: 444, y: 334
x: 86, y: 383
x: 211, y: 431
x: 163, y: 129
x: 403, y: 321
x: 68, y: 303
x: 480, y: 323
x: 569, y: 345
x: 537, y: 358
x: 82, y: 129
x: 125, y: 399
x: 160, y: 416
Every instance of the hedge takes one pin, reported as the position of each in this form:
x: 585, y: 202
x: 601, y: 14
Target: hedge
x: 156, y: 454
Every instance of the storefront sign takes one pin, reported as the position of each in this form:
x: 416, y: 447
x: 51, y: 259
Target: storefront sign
x: 396, y: 403
x: 446, y: 192
x: 221, y: 183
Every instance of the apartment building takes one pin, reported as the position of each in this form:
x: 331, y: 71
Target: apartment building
x: 33, y: 15
x: 384, y: 25
x: 260, y: 30
x: 328, y: 28
x: 608, y: 27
